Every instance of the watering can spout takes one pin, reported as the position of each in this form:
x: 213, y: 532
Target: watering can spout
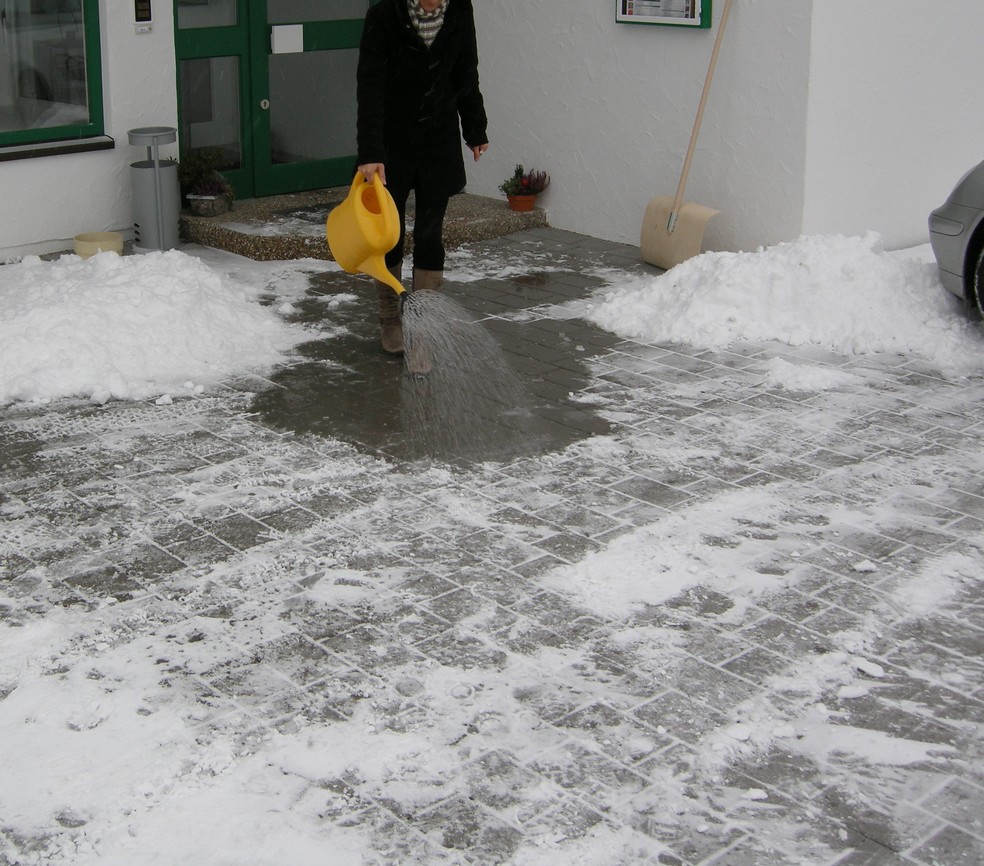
x: 375, y: 267
x: 363, y: 228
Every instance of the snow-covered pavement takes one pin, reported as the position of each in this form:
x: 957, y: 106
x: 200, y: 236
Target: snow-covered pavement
x: 721, y: 605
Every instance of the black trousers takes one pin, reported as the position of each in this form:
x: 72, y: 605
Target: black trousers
x: 428, y: 226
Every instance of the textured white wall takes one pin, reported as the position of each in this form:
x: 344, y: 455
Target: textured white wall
x: 834, y: 116
x: 824, y: 117
x: 608, y: 108
x: 894, y: 113
x: 49, y: 200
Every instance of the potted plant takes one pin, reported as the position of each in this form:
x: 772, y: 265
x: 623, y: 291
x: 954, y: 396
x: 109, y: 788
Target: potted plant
x: 206, y: 188
x: 523, y: 187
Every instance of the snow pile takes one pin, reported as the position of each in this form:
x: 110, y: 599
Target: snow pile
x: 128, y: 327
x: 842, y: 293
x: 170, y: 323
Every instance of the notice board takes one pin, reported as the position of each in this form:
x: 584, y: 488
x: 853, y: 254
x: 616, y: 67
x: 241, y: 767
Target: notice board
x: 678, y: 13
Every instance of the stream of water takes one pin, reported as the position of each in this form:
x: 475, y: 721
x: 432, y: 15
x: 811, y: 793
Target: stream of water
x: 459, y: 394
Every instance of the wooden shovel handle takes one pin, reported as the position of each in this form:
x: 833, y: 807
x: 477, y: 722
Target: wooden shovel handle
x: 678, y: 199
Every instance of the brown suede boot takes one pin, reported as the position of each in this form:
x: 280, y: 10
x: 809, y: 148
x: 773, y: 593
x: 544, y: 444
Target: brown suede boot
x: 418, y: 357
x: 390, y: 326
x: 428, y: 280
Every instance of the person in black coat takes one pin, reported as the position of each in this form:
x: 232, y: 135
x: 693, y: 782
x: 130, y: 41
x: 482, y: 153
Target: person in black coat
x: 418, y: 95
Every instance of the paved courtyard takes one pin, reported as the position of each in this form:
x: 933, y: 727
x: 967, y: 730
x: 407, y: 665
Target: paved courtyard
x: 288, y: 622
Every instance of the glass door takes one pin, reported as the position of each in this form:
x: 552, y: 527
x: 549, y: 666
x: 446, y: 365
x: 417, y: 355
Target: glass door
x: 305, y: 54
x: 271, y: 83
x: 211, y: 41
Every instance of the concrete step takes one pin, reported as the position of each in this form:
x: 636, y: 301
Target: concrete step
x: 293, y: 226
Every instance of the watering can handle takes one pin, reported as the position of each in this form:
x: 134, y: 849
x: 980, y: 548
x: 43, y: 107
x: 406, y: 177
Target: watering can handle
x: 382, y: 195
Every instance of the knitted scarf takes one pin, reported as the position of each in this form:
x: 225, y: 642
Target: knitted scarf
x: 427, y: 23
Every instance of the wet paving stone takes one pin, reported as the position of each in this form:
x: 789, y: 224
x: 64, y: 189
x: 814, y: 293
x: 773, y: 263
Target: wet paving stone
x: 419, y: 646
x: 679, y: 716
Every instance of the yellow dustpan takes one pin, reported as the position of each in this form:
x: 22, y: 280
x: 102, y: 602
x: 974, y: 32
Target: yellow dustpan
x: 363, y: 228
x: 673, y: 230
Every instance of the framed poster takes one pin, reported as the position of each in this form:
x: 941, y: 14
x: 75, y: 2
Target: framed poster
x: 679, y: 13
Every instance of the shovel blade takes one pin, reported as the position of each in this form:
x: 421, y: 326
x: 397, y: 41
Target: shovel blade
x: 664, y: 248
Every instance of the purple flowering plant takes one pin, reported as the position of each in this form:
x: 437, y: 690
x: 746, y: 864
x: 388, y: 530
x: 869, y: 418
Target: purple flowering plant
x: 524, y: 182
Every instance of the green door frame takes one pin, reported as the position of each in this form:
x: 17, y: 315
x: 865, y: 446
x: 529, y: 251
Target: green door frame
x: 249, y: 42
x: 293, y: 177
x: 202, y: 43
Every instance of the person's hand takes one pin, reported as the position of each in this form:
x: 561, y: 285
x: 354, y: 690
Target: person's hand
x: 369, y: 171
x: 478, y: 150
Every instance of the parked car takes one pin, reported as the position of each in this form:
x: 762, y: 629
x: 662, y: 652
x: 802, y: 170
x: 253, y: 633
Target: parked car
x: 956, y: 232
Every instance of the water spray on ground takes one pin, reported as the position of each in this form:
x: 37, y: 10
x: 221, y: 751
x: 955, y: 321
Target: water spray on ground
x: 460, y: 397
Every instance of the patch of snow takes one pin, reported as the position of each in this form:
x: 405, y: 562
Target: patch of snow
x: 806, y: 377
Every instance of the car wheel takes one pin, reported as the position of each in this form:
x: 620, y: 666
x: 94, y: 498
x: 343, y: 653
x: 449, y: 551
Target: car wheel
x: 979, y: 282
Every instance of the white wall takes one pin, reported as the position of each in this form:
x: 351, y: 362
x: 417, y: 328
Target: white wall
x: 823, y: 117
x: 47, y: 201
x: 607, y: 109
x: 834, y: 116
x: 895, y: 116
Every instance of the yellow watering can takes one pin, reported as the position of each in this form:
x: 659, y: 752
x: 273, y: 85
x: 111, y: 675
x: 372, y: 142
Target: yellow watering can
x: 363, y: 228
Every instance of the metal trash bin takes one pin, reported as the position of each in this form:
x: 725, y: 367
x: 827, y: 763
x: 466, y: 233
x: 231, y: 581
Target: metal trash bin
x: 156, y: 191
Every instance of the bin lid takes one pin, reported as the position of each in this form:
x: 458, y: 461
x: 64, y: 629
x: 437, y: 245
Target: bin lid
x: 150, y: 135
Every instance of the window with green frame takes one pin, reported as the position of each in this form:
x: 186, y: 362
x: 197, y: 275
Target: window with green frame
x: 50, y: 75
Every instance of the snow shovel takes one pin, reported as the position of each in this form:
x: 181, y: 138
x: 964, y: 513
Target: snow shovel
x: 672, y: 229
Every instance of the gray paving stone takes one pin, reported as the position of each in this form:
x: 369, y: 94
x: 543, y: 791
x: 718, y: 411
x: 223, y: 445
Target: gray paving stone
x: 290, y: 569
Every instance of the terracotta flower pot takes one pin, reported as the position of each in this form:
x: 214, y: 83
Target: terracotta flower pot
x: 521, y: 202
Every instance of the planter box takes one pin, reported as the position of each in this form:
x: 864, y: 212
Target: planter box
x: 208, y: 205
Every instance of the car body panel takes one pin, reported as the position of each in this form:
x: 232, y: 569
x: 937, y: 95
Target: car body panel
x: 969, y: 190
x: 956, y: 233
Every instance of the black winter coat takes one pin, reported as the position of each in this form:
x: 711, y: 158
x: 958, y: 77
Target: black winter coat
x: 411, y: 98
